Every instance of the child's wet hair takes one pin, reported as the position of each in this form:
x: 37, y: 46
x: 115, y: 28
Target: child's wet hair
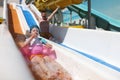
x: 35, y: 26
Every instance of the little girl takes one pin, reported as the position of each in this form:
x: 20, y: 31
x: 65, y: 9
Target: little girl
x: 41, y: 58
x: 37, y: 46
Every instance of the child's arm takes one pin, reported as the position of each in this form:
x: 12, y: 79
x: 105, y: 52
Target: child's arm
x: 46, y: 43
x: 29, y: 40
x: 53, y: 13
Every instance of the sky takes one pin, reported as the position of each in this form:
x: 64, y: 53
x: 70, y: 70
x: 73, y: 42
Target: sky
x: 110, y: 8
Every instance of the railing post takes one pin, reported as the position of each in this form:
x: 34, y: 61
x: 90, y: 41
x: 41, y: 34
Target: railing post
x: 89, y: 14
x: 90, y: 26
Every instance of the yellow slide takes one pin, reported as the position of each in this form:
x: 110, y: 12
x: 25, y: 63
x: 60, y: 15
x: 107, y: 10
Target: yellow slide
x: 52, y: 4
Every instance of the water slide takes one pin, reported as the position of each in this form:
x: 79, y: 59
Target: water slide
x: 81, y: 67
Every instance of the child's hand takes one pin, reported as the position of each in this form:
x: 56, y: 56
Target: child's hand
x: 58, y: 7
x: 34, y: 35
x: 48, y: 45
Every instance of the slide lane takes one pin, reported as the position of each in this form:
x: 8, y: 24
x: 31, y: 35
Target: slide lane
x: 85, y: 68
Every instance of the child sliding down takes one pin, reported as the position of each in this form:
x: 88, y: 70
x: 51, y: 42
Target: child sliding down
x: 41, y: 57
